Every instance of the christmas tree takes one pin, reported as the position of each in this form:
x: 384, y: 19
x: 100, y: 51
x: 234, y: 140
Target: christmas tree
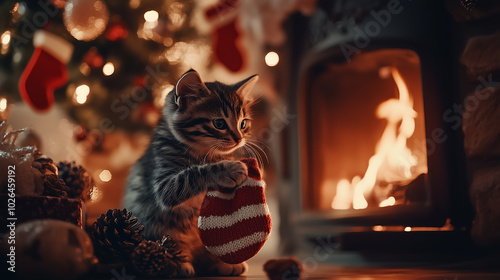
x: 124, y: 57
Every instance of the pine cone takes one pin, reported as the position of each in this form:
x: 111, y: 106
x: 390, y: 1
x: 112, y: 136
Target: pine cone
x: 44, y: 164
x: 53, y: 186
x: 172, y: 250
x: 150, y: 259
x: 78, y: 180
x: 115, y: 235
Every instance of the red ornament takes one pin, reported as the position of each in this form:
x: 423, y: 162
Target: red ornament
x: 80, y: 133
x: 93, y: 58
x: 234, y: 224
x: 45, y: 71
x: 116, y: 32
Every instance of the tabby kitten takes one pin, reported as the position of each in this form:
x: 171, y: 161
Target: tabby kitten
x: 202, y: 124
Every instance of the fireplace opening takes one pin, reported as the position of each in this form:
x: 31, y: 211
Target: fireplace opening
x: 365, y: 135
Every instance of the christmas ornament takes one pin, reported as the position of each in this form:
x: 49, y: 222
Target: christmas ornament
x: 116, y: 31
x: 235, y: 223
x: 115, y: 235
x: 85, y: 19
x: 150, y: 259
x: 80, y: 133
x: 93, y: 58
x: 78, y: 180
x: 51, y: 249
x: 45, y: 71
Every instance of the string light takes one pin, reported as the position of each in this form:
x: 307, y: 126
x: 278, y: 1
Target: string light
x: 272, y: 59
x: 3, y: 104
x: 105, y: 175
x: 5, y: 40
x: 151, y: 16
x: 82, y: 90
x: 108, y: 69
x: 81, y: 94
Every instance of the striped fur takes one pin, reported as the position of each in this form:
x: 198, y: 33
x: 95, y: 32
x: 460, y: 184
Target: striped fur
x: 187, y: 155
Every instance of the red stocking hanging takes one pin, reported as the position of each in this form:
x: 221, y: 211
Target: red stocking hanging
x: 226, y: 35
x: 45, y: 71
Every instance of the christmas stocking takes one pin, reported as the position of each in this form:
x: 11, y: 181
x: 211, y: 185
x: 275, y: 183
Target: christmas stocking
x: 45, y: 71
x: 235, y: 223
x: 226, y: 34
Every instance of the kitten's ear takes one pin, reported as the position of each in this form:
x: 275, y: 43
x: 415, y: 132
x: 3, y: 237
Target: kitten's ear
x: 245, y: 87
x: 189, y: 88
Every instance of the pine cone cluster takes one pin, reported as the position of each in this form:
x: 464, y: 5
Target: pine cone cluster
x: 52, y: 185
x: 78, y: 180
x: 115, y: 235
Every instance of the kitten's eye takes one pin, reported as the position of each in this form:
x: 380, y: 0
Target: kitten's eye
x: 243, y: 124
x: 219, y: 123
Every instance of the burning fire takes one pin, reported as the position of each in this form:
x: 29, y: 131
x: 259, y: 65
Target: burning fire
x: 393, y: 161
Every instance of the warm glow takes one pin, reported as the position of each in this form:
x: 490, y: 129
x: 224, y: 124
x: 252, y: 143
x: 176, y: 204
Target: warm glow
x: 3, y: 104
x: 272, y: 59
x: 393, y: 161
x: 84, y: 69
x: 5, y: 38
x: 82, y: 90
x: 81, y: 94
x: 388, y: 202
x: 151, y: 16
x: 378, y: 228
x: 407, y: 229
x: 81, y: 99
x: 163, y: 95
x: 105, y: 175
x: 95, y: 194
x: 108, y: 69
x: 133, y: 4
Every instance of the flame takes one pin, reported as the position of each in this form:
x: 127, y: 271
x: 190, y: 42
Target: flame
x: 393, y: 161
x: 388, y: 202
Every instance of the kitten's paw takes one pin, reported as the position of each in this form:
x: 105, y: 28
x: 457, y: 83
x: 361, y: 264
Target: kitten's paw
x: 186, y: 270
x: 233, y: 173
x: 231, y: 269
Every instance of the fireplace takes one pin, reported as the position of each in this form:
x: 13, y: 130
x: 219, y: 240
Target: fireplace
x: 371, y: 149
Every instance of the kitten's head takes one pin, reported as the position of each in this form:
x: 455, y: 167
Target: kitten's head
x: 211, y: 118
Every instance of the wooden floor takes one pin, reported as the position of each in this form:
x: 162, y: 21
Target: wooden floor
x: 324, y: 273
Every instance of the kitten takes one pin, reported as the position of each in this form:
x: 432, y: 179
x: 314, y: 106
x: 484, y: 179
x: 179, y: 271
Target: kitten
x: 202, y: 124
